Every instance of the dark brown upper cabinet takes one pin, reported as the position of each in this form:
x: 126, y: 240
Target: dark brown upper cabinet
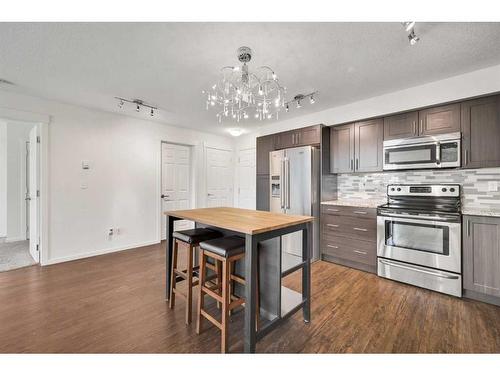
x: 430, y: 121
x: 357, y: 147
x: 368, y: 138
x: 403, y: 125
x: 439, y: 120
x: 310, y: 135
x: 481, y: 249
x: 342, y: 149
x: 481, y: 132
x: 264, y: 146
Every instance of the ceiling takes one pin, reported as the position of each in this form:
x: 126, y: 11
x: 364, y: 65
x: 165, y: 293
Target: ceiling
x: 169, y: 64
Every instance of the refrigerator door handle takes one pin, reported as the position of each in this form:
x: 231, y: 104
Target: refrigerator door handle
x: 287, y: 172
x: 282, y: 187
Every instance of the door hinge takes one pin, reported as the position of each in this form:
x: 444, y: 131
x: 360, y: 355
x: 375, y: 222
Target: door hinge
x: 38, y: 193
x: 37, y: 247
x: 37, y: 139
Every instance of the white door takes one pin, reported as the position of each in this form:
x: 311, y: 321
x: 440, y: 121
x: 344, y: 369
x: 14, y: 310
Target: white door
x: 246, y: 179
x: 175, y: 182
x: 219, y: 178
x: 34, y: 204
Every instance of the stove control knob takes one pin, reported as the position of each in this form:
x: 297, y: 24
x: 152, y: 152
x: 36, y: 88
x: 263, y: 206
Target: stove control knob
x: 392, y: 189
x: 443, y: 190
x: 452, y: 190
x: 399, y: 189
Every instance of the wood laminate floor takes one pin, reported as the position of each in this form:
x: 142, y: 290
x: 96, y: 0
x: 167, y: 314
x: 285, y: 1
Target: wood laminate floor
x: 115, y: 303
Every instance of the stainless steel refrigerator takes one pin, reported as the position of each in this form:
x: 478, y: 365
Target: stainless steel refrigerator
x: 294, y: 189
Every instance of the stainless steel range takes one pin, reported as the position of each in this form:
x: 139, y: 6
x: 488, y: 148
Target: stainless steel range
x: 419, y: 237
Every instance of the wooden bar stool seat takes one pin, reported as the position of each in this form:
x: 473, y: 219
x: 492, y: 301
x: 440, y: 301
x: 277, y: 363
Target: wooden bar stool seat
x: 226, y: 250
x: 189, y: 240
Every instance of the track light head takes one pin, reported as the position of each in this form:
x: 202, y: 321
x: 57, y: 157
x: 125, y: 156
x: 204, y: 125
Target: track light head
x: 152, y: 113
x: 413, y: 38
x: 409, y: 25
x: 312, y: 100
x: 138, y: 108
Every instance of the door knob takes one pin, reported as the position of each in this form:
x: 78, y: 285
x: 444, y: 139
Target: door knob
x: 165, y: 196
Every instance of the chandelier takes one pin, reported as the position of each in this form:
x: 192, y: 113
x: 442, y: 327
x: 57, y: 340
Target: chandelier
x: 240, y: 94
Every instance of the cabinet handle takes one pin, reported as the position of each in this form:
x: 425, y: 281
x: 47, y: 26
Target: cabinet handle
x: 466, y: 156
x: 332, y: 246
x: 421, y: 126
x: 357, y: 163
x: 332, y: 209
x: 414, y: 128
x: 360, y: 252
x: 468, y: 228
x: 360, y: 229
x: 332, y: 225
x: 352, y: 164
x: 360, y: 212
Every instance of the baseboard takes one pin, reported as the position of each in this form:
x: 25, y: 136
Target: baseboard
x: 470, y: 294
x: 97, y: 252
x: 14, y: 239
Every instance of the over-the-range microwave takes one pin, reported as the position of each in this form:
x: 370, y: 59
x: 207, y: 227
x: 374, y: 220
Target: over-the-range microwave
x: 438, y: 151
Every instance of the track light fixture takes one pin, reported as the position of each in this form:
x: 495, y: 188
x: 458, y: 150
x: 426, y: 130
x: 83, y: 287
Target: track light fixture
x: 410, y: 29
x: 138, y: 104
x: 299, y: 98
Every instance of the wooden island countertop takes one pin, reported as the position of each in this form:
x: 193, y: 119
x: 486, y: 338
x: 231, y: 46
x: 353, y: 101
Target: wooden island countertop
x: 240, y: 220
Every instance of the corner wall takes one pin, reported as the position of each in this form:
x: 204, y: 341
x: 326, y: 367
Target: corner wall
x: 121, y: 188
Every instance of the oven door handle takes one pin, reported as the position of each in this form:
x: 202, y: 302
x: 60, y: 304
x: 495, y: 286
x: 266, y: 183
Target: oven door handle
x: 416, y: 217
x: 418, y: 269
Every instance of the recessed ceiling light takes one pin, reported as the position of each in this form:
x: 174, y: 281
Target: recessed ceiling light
x: 235, y: 132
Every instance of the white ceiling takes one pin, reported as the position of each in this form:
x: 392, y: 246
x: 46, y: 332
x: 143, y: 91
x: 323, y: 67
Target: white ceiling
x: 169, y: 64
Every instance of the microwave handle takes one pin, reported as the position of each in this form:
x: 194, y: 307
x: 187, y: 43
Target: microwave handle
x: 438, y: 153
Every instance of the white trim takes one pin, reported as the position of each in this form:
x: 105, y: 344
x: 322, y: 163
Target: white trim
x: 99, y: 252
x: 14, y: 239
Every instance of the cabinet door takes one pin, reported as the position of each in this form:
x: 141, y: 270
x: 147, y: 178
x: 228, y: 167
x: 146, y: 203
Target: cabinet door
x: 481, y: 132
x: 284, y: 140
x: 439, y: 120
x: 308, y: 136
x: 403, y: 125
x: 368, y: 137
x: 263, y: 187
x: 482, y: 254
x: 264, y: 146
x: 342, y: 149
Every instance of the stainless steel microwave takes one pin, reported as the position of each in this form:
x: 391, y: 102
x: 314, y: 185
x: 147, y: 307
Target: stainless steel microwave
x: 439, y: 151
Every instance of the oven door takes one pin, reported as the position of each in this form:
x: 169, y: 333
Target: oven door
x: 430, y: 243
x: 412, y: 156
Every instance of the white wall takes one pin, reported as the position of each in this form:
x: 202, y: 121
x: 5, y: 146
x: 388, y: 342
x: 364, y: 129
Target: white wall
x: 17, y: 136
x: 3, y: 179
x: 123, y: 182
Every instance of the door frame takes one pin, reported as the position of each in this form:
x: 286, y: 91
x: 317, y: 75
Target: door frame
x: 42, y: 121
x: 192, y: 179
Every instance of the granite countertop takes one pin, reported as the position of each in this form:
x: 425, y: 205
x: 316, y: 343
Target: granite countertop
x: 352, y: 202
x: 480, y: 212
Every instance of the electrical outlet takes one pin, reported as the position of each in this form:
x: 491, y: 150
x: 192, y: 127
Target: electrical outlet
x: 492, y: 185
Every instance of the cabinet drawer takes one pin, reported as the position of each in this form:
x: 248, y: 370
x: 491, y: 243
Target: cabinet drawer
x: 349, y: 249
x: 361, y: 229
x: 360, y: 212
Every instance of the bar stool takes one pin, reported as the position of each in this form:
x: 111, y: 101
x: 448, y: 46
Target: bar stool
x: 226, y: 250
x: 189, y: 240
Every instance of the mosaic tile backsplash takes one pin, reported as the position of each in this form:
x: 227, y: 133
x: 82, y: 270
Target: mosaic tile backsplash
x: 474, y: 182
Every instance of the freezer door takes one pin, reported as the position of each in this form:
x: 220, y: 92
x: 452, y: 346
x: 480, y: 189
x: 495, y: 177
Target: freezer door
x: 276, y: 183
x: 298, y: 193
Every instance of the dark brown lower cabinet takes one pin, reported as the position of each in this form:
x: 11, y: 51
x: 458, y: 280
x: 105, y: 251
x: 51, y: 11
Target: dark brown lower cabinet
x: 349, y: 236
x: 481, y: 258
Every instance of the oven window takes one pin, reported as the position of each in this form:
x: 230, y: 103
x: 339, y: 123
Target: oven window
x: 411, y: 155
x: 419, y: 237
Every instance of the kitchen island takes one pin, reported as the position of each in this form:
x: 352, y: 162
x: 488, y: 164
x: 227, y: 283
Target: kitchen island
x: 257, y: 227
